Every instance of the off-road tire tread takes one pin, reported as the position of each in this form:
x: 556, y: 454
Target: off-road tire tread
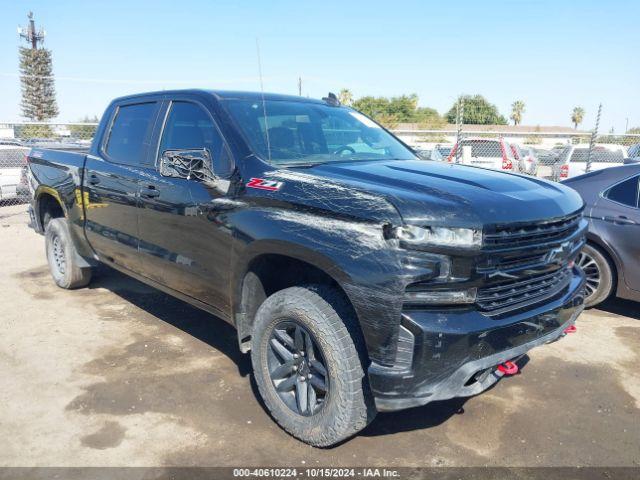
x: 352, y: 409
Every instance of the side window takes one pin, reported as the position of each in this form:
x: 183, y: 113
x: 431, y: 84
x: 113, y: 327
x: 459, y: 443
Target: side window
x: 625, y: 192
x: 189, y: 126
x: 125, y: 143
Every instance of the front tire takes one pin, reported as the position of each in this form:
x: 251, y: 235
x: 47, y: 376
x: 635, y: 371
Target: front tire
x: 599, y: 275
x: 62, y: 256
x: 307, y: 366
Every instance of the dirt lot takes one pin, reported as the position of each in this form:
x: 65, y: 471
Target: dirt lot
x: 120, y: 374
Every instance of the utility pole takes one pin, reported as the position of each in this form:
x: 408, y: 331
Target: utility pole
x: 29, y: 33
x: 36, y: 76
x: 300, y: 86
x: 459, y: 121
x: 594, y: 136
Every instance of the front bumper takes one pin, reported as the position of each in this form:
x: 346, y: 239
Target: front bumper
x: 455, y: 353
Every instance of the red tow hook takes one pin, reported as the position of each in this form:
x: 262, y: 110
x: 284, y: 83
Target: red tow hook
x: 508, y: 368
x: 571, y: 329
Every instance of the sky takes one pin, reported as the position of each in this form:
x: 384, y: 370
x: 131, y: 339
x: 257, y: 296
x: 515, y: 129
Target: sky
x: 553, y: 55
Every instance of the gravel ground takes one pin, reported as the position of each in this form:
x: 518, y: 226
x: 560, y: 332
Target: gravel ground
x: 119, y: 374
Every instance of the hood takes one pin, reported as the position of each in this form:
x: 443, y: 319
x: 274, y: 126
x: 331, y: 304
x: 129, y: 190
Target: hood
x: 454, y: 195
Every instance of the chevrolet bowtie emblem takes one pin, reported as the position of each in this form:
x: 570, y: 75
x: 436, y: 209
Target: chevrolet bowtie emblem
x: 559, y: 253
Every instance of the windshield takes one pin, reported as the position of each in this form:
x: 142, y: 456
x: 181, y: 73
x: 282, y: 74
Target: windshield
x: 307, y: 133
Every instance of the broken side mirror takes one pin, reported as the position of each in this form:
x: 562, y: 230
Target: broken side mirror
x: 190, y: 164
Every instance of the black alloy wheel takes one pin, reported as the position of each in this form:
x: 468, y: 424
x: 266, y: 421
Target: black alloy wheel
x: 297, y: 368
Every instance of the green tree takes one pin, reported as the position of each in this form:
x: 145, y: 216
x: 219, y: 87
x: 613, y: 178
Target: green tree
x: 477, y: 111
x: 394, y: 110
x: 517, y: 109
x: 345, y: 97
x: 36, y: 78
x: 577, y: 116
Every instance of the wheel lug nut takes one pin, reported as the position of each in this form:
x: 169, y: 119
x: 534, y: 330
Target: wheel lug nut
x: 295, y: 355
x: 302, y: 378
x: 302, y: 353
x: 295, y: 367
x: 309, y: 376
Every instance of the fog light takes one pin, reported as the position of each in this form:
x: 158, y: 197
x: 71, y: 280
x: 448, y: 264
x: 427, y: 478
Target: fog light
x: 440, y: 297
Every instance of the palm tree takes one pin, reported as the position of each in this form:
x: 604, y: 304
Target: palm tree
x: 345, y: 97
x: 517, y: 109
x: 577, y: 116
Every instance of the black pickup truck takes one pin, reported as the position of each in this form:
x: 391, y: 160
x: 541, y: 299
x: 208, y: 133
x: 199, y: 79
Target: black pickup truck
x: 361, y: 278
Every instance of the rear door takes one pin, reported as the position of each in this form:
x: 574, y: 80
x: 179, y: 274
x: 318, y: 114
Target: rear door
x: 111, y: 183
x: 185, y: 243
x: 617, y: 221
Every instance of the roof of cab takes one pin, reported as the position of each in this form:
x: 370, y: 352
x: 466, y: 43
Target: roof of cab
x: 224, y: 95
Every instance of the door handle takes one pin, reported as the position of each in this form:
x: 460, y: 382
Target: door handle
x: 620, y: 220
x: 150, y: 191
x: 94, y: 179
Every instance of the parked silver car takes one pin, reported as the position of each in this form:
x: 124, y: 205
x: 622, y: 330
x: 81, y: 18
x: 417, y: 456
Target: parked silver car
x: 611, y: 257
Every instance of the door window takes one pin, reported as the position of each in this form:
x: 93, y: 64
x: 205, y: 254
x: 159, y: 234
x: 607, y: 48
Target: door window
x: 625, y: 192
x: 190, y: 127
x: 128, y: 132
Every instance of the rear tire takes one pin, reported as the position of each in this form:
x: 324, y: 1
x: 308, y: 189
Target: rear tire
x: 599, y: 275
x: 62, y: 256
x: 343, y: 407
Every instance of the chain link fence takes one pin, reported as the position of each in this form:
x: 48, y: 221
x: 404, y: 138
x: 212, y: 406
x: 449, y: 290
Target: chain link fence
x: 16, y: 139
x: 553, y: 153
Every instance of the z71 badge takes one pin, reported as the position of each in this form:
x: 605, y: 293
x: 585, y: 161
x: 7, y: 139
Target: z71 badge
x: 262, y: 184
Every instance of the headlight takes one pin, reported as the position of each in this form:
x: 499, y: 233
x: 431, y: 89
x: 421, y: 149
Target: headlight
x: 440, y: 297
x: 439, y: 236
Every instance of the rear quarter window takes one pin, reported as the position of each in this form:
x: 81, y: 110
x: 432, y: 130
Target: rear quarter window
x: 129, y: 129
x: 625, y: 192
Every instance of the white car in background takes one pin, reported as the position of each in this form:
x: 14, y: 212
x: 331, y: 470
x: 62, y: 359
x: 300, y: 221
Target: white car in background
x: 573, y: 159
x: 13, y: 168
x: 495, y: 154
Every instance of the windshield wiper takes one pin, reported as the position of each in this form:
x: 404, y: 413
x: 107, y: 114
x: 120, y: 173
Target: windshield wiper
x: 300, y: 164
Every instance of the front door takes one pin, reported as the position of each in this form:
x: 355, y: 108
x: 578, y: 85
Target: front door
x: 184, y: 243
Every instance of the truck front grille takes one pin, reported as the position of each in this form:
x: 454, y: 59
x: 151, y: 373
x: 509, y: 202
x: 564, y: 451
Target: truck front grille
x: 532, y: 234
x: 507, y: 296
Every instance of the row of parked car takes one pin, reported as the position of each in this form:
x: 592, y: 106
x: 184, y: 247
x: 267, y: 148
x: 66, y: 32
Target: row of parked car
x: 557, y: 164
